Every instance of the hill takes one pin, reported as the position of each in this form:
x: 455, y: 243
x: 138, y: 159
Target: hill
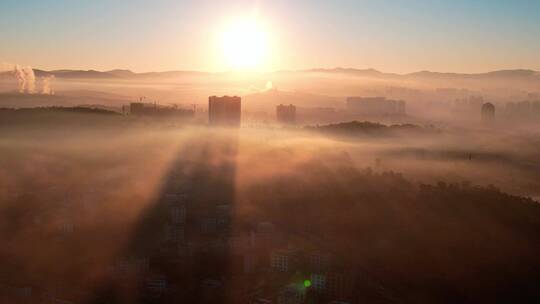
x: 123, y: 73
x: 366, y: 128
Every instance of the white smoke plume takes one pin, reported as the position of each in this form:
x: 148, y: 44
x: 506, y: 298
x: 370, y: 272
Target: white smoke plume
x: 267, y: 87
x: 24, y: 75
x: 30, y: 80
x: 46, y: 82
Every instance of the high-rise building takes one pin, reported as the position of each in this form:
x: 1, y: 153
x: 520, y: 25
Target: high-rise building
x: 488, y: 112
x: 224, y: 111
x: 286, y: 114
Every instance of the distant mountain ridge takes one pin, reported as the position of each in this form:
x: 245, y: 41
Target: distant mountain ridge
x: 112, y: 74
x: 499, y: 73
x: 123, y: 73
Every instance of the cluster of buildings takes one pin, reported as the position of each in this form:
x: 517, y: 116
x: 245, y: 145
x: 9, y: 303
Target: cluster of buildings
x: 286, y: 114
x: 375, y: 106
x: 323, y: 279
x: 511, y: 105
x: 523, y: 109
x: 142, y: 109
x: 201, y: 253
x: 227, y: 110
x: 468, y: 104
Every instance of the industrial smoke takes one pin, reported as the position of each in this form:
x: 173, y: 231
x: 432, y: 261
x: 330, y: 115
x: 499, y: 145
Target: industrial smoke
x: 26, y: 79
x: 46, y: 82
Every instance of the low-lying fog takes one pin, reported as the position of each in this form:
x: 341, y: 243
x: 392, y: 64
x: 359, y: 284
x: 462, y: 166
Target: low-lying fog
x: 76, y: 198
x: 506, y: 159
x: 86, y: 195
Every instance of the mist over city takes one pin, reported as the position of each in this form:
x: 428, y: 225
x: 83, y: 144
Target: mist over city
x: 269, y: 152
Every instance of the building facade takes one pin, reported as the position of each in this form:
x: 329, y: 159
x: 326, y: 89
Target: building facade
x: 224, y: 111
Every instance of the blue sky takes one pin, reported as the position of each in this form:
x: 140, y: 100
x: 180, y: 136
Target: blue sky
x: 394, y: 36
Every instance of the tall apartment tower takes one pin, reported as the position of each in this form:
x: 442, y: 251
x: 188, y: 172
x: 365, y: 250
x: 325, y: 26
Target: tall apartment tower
x: 224, y: 111
x: 286, y: 114
x: 487, y: 112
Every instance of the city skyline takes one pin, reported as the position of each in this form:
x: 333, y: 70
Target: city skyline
x: 437, y: 36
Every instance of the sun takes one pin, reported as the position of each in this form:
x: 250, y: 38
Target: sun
x: 245, y: 44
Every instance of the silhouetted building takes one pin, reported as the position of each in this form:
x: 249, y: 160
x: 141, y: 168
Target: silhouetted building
x: 224, y: 111
x: 375, y: 106
x: 286, y: 114
x: 488, y: 112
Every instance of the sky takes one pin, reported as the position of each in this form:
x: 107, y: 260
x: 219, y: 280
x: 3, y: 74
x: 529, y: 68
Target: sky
x: 399, y: 36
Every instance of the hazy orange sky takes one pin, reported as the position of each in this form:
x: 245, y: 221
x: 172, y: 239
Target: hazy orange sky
x: 393, y: 36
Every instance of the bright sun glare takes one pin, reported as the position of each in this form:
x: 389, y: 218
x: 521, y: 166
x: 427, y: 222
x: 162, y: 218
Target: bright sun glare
x: 246, y: 45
